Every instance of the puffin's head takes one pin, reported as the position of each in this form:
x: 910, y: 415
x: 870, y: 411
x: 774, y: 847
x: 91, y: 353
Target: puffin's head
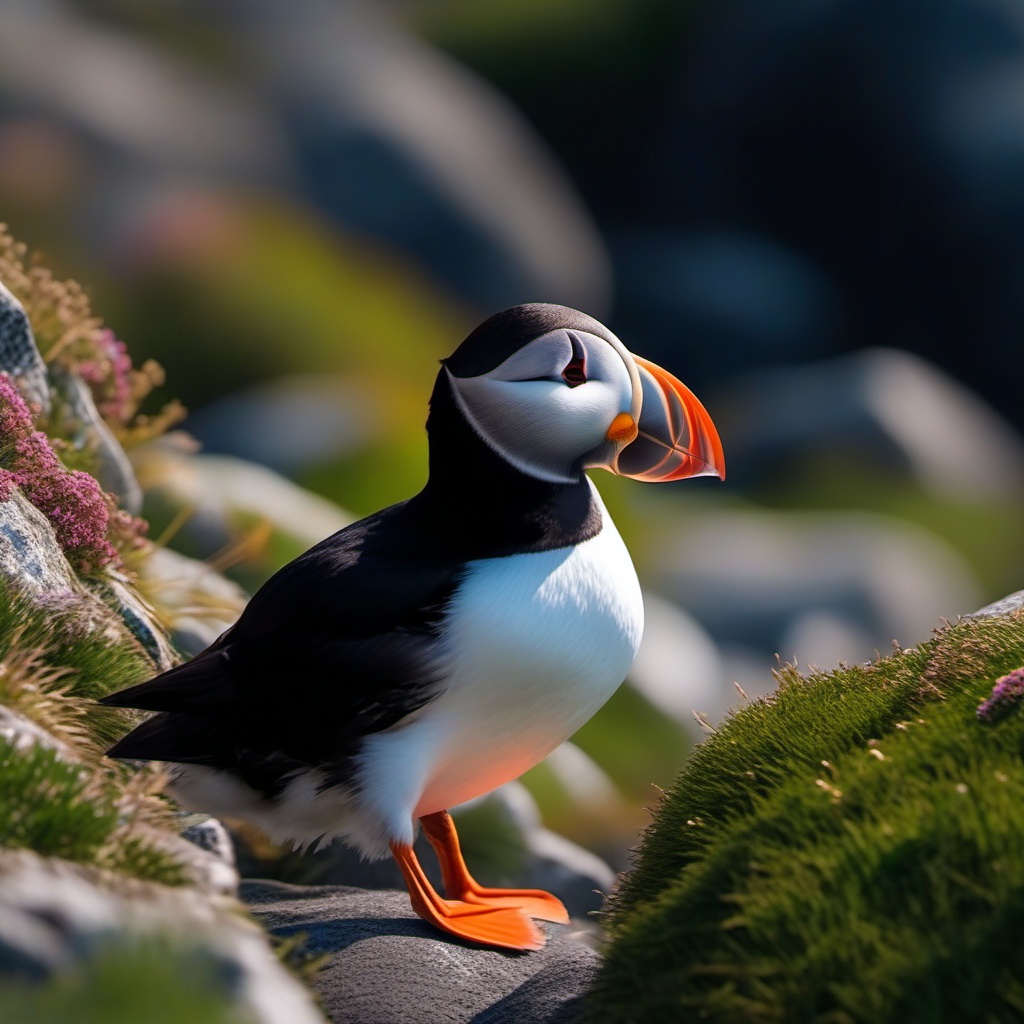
x: 554, y: 392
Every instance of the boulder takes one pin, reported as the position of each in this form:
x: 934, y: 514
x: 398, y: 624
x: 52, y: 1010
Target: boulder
x: 386, y: 966
x: 55, y: 915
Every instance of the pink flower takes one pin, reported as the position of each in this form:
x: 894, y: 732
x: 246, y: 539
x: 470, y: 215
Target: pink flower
x: 1006, y: 695
x: 73, y: 502
x: 115, y: 394
x: 15, y: 415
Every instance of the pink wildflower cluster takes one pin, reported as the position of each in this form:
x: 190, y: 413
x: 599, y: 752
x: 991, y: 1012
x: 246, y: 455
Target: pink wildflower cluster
x: 109, y: 374
x: 73, y: 502
x: 1006, y: 695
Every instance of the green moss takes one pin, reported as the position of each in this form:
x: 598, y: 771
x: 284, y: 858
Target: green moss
x: 65, y: 810
x: 45, y: 805
x: 155, y: 983
x: 139, y: 858
x: 76, y: 805
x: 885, y: 885
x: 99, y: 660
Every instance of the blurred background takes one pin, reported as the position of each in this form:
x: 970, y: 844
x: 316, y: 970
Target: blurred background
x: 812, y: 213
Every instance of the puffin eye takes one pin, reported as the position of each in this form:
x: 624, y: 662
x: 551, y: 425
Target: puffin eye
x: 575, y: 372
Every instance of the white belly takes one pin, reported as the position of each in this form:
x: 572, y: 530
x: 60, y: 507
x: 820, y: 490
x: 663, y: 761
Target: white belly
x: 538, y: 643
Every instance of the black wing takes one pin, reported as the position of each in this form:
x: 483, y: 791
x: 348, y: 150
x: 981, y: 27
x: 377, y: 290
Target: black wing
x: 339, y: 644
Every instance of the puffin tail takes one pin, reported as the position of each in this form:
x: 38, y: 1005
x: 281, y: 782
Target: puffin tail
x: 203, y: 685
x: 178, y: 738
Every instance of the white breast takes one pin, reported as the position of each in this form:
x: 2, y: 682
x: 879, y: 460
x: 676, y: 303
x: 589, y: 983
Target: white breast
x: 538, y: 643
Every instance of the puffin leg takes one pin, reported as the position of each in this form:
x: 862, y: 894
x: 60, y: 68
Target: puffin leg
x: 460, y: 884
x: 504, y: 927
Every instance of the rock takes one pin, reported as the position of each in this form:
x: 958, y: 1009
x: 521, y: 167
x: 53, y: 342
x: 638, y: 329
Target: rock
x: 210, y: 854
x: 19, y: 355
x: 22, y: 733
x: 1004, y: 606
x: 177, y: 120
x: 387, y: 966
x: 225, y: 495
x: 54, y: 915
x: 823, y: 587
x: 32, y: 560
x: 679, y: 302
x: 532, y: 856
x: 337, y: 107
x: 678, y: 667
x: 196, y: 602
x: 290, y: 423
x: 85, y: 426
x: 891, y: 408
x: 138, y: 616
x: 397, y: 142
x: 576, y: 876
x: 911, y: 209
x: 29, y: 553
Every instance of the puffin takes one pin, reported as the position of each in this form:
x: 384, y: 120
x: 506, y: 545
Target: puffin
x: 439, y: 648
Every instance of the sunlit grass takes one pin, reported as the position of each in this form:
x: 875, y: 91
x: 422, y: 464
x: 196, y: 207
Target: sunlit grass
x: 847, y: 851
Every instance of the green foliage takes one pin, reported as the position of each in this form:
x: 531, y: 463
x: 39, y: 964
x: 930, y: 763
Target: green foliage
x: 846, y: 851
x: 45, y: 805
x: 136, y: 856
x: 92, y: 653
x: 155, y: 982
x: 70, y: 801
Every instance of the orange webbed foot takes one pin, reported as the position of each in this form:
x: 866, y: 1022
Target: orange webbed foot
x: 502, y: 927
x: 459, y: 883
x: 532, y: 902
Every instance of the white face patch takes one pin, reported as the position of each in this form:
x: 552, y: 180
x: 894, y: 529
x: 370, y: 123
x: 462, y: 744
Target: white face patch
x: 541, y: 422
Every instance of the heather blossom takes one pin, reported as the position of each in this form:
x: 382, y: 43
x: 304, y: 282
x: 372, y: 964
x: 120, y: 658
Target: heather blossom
x: 72, y: 501
x: 109, y: 374
x: 1006, y: 695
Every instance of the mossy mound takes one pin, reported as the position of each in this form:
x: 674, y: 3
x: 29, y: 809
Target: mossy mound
x: 851, y: 849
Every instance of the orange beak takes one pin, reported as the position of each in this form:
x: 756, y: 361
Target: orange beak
x: 675, y: 435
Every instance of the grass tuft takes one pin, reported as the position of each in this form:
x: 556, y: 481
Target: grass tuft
x: 848, y: 850
x: 66, y: 799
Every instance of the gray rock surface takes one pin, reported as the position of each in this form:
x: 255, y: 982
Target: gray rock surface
x: 54, y: 914
x: 19, y: 355
x: 823, y: 587
x: 212, y: 856
x: 893, y: 409
x: 86, y: 428
x: 386, y: 966
x: 535, y: 857
x: 29, y: 552
x: 33, y: 561
x: 1004, y: 606
x: 225, y: 494
x: 22, y: 733
x: 196, y: 602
